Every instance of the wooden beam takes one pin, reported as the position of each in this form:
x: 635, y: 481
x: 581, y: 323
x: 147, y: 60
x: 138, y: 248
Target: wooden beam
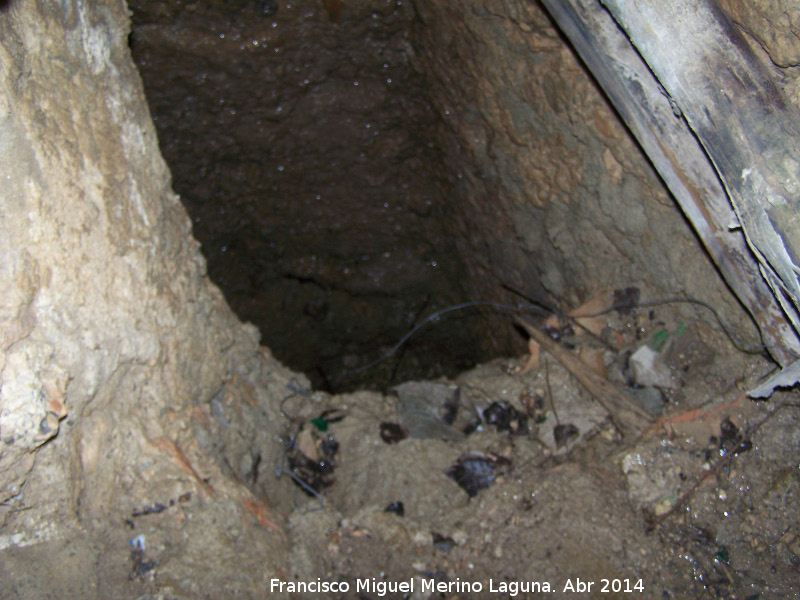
x: 628, y: 415
x: 656, y: 118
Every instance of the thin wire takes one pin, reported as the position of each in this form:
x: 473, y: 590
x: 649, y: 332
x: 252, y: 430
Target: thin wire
x: 286, y: 447
x: 297, y: 390
x: 741, y: 346
x: 436, y: 316
x: 541, y: 308
x: 310, y: 490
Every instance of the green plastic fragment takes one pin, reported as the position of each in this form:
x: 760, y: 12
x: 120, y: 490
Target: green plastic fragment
x: 658, y: 339
x: 321, y: 423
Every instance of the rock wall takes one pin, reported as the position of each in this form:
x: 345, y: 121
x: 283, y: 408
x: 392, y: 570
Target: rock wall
x: 774, y: 27
x: 303, y: 145
x: 774, y: 24
x: 537, y: 146
x: 357, y: 171
x: 113, y: 340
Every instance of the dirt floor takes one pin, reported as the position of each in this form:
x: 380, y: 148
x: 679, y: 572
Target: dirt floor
x: 509, y: 481
x: 703, y: 504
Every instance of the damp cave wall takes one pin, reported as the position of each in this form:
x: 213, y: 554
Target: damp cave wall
x: 586, y: 208
x: 115, y: 343
x: 574, y: 204
x: 357, y: 171
x: 306, y: 152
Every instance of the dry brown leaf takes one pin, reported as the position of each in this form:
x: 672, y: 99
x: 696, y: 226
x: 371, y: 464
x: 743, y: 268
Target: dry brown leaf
x: 533, y: 359
x: 593, y: 357
x: 600, y: 302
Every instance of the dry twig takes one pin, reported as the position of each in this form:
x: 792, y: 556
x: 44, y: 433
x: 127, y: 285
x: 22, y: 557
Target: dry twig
x: 629, y: 417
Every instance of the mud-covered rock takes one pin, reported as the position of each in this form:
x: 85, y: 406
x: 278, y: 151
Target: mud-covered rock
x: 114, y: 340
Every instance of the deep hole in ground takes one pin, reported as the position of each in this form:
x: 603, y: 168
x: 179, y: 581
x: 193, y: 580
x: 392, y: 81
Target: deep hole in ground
x: 310, y: 159
x: 135, y: 408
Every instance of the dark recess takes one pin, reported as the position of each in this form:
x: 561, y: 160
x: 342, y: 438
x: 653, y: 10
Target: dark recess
x: 305, y: 151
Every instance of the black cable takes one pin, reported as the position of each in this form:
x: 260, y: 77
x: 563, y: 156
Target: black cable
x: 741, y: 346
x: 738, y: 344
x: 433, y: 317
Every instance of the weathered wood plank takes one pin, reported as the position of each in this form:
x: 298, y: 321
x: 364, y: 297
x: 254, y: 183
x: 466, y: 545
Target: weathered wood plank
x: 628, y: 415
x: 748, y: 130
x: 657, y: 123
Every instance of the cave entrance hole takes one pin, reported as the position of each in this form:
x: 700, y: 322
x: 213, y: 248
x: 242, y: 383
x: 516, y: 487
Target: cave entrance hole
x: 334, y: 205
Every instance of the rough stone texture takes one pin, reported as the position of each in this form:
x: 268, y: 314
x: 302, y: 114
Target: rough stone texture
x: 775, y: 24
x: 491, y: 161
x: 305, y: 152
x: 114, y: 341
x: 772, y: 27
x: 537, y: 143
